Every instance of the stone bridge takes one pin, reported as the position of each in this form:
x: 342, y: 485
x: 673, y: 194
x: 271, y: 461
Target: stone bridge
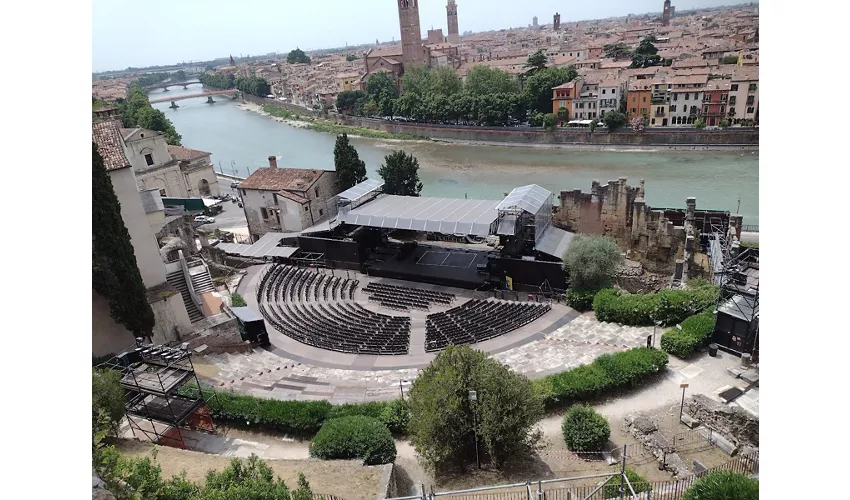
x: 164, y: 86
x: 208, y: 94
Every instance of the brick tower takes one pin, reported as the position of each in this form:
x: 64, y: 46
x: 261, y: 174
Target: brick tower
x: 665, y: 17
x: 557, y: 21
x: 451, y: 17
x: 411, y: 34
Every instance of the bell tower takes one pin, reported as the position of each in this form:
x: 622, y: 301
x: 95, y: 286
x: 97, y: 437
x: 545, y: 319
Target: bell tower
x: 665, y: 16
x: 451, y: 18
x: 411, y: 34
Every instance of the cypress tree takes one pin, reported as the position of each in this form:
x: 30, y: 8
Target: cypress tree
x: 400, y: 172
x: 115, y: 273
x: 350, y: 169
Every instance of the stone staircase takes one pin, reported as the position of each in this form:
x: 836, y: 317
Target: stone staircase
x: 179, y: 282
x: 591, y: 331
x: 201, y: 279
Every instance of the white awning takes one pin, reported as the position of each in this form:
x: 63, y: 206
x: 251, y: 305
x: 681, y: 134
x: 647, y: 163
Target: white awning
x: 438, y: 215
x: 209, y: 202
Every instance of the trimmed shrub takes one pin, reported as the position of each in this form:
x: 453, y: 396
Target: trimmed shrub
x: 354, y: 437
x: 669, y: 307
x: 292, y: 417
x: 580, y: 300
x: 695, y: 333
x: 723, y: 484
x: 584, y: 429
x: 396, y: 416
x: 607, y: 372
x: 638, y: 482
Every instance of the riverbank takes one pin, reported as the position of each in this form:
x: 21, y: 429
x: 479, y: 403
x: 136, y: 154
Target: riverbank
x: 314, y: 124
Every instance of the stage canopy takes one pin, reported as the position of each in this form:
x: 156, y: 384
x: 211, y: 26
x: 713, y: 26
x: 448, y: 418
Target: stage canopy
x: 358, y: 191
x: 529, y: 198
x: 554, y: 242
x: 267, y: 246
x: 437, y: 215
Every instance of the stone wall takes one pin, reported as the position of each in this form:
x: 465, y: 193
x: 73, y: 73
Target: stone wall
x: 671, y: 137
x: 732, y: 422
x: 388, y: 486
x: 220, y: 333
x: 618, y: 210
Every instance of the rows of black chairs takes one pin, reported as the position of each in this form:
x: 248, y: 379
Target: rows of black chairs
x: 477, y: 321
x: 404, y: 298
x: 289, y: 299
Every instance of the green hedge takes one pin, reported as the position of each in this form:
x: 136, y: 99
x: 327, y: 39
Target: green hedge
x: 669, y: 307
x: 579, y: 300
x: 354, y: 437
x: 695, y: 333
x: 584, y: 429
x: 606, y: 373
x: 303, y: 418
x: 638, y: 482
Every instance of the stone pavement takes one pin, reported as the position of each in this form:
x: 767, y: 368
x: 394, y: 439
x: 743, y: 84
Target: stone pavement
x: 266, y: 374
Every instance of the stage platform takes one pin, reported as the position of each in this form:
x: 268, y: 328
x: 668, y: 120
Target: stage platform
x: 434, y: 265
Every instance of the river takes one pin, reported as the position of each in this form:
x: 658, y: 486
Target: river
x: 241, y: 141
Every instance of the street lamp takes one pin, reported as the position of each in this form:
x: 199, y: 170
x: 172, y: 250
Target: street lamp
x: 473, y: 398
x: 682, y: 408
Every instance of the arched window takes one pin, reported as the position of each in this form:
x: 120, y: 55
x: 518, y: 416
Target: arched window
x: 204, y: 187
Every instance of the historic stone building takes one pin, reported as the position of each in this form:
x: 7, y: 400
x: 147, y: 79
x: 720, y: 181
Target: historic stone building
x: 556, y: 22
x: 665, y: 16
x: 451, y: 18
x: 413, y: 52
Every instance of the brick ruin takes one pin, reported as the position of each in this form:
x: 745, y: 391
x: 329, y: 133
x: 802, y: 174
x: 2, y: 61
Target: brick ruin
x: 662, y: 239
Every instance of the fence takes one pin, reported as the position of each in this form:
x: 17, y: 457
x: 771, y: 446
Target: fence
x: 749, y: 228
x: 606, y: 486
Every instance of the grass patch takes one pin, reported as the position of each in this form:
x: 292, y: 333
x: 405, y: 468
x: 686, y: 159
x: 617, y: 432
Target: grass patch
x: 336, y: 129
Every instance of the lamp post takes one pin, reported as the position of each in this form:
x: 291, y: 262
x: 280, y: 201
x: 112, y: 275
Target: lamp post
x: 473, y: 398
x: 682, y: 407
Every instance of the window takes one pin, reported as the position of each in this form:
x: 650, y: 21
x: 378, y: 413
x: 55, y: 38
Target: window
x: 306, y: 208
x: 634, y: 111
x: 672, y: 108
x: 653, y: 121
x: 642, y: 111
x: 317, y: 192
x: 705, y: 109
x: 687, y: 96
x: 675, y: 97
x: 722, y: 109
x: 724, y: 97
x: 149, y: 159
x: 734, y: 87
x: 751, y: 110
x: 752, y: 87
x: 732, y: 100
x: 603, y: 91
x: 613, y: 91
x: 321, y: 212
x: 644, y: 99
x: 731, y: 111
x: 162, y: 192
x: 751, y: 100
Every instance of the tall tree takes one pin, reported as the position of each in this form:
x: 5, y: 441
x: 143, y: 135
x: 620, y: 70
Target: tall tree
x: 538, y: 87
x: 115, y: 273
x: 646, y: 55
x: 348, y: 101
x: 617, y: 50
x: 400, y: 173
x: 444, y: 81
x: 379, y: 86
x: 297, y: 56
x: 482, y: 80
x: 350, y: 169
x: 537, y: 61
x: 416, y: 80
x: 444, y: 422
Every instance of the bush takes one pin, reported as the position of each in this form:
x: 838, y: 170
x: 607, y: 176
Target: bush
x: 591, y: 260
x: 638, y: 482
x: 608, y: 372
x: 579, y: 300
x: 236, y: 300
x: 723, y: 484
x: 354, y: 437
x: 107, y: 394
x: 695, y: 333
x: 291, y: 417
x: 394, y: 414
x: 668, y: 307
x: 584, y: 429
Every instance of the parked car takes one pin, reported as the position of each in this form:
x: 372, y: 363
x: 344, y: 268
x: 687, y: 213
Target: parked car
x: 234, y: 185
x: 203, y: 219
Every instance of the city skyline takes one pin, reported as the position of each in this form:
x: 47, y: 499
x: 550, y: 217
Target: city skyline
x: 252, y: 28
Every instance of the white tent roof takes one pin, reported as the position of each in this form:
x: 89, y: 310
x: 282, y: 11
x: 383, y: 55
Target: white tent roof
x: 438, y: 215
x: 554, y: 242
x: 358, y: 191
x: 529, y: 198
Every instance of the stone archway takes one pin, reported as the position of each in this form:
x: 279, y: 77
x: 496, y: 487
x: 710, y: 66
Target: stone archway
x: 204, y: 187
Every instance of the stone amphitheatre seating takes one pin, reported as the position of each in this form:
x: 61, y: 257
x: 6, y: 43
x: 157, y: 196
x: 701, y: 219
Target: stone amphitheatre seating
x: 478, y: 320
x: 318, y: 309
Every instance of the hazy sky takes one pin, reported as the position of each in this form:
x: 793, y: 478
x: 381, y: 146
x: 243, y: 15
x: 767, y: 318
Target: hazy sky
x: 154, y: 32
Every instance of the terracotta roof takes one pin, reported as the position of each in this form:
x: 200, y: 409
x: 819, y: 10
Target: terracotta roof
x: 281, y: 179
x: 181, y: 153
x: 108, y: 139
x: 292, y: 196
x: 388, y: 52
x: 689, y: 80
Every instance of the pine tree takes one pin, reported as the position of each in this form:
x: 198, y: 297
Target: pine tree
x: 400, y: 172
x: 115, y: 274
x: 350, y: 169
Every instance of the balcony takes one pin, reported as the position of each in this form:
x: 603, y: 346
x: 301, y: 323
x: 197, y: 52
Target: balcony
x: 659, y: 100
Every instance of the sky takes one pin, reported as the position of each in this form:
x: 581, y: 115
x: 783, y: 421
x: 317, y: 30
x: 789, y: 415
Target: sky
x: 160, y: 32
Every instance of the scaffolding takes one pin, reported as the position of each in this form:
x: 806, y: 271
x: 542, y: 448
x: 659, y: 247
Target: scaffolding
x: 162, y: 393
x: 735, y: 271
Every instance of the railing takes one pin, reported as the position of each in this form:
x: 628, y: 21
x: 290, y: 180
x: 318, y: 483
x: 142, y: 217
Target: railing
x: 750, y: 228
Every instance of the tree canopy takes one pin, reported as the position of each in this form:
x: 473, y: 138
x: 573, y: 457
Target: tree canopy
x: 136, y: 111
x: 538, y: 87
x: 400, y: 173
x: 253, y: 85
x: 590, y: 261
x: 617, y: 50
x: 614, y: 120
x: 115, y: 273
x: 444, y: 420
x: 350, y: 101
x: 297, y: 56
x: 218, y: 80
x: 484, y: 80
x: 380, y: 85
x: 537, y: 61
x: 350, y: 169
x: 646, y: 55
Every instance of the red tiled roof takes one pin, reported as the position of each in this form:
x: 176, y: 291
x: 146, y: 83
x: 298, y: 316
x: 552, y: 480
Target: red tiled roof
x: 281, y: 179
x: 181, y: 153
x: 108, y: 139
